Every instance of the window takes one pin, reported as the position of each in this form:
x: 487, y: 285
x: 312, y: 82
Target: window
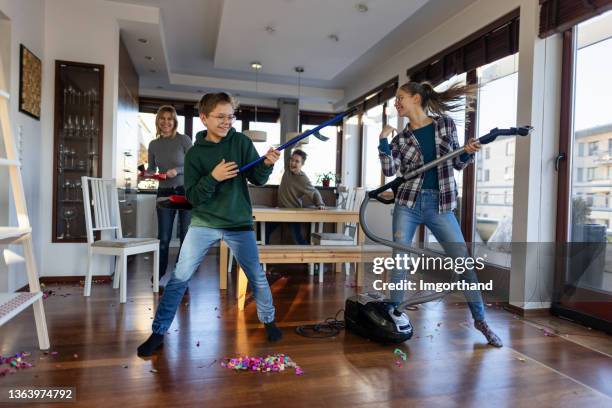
x: 591, y: 174
x: 321, y: 155
x: 589, y: 198
x: 510, y: 148
x: 392, y: 119
x: 372, y: 126
x: 508, y: 197
x: 593, y: 148
x: 610, y: 146
x: 581, y: 149
x: 273, y: 140
x: 497, y: 103
x: 579, y: 174
x: 479, y: 175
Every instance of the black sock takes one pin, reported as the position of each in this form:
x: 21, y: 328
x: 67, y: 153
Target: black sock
x: 273, y: 332
x: 154, y: 342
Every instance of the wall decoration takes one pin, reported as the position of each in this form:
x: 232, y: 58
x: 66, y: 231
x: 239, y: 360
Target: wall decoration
x: 30, y: 79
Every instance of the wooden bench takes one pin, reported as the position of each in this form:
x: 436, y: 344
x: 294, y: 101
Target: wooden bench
x: 305, y: 254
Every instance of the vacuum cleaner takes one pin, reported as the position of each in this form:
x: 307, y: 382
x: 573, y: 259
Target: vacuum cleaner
x: 372, y: 316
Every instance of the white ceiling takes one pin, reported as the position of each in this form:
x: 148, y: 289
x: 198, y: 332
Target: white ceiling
x: 204, y: 45
x: 301, y: 33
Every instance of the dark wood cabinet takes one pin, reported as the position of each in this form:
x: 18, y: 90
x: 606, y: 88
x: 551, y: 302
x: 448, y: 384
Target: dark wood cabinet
x: 77, y: 147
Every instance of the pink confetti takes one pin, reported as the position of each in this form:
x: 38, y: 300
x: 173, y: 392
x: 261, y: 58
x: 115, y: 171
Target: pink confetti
x: 271, y: 363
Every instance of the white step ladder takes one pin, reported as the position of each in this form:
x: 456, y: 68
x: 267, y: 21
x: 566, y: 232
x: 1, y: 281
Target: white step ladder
x: 13, y: 303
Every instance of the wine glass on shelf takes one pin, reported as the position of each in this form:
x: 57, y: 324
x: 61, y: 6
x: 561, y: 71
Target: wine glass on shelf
x: 84, y: 127
x: 79, y: 193
x: 92, y: 158
x: 68, y: 126
x: 72, y: 156
x: 68, y: 214
x: 67, y: 185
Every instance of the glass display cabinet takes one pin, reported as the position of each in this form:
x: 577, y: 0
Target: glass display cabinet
x: 77, y: 143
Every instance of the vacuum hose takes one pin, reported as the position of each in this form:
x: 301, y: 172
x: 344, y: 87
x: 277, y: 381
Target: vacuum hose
x: 394, y: 185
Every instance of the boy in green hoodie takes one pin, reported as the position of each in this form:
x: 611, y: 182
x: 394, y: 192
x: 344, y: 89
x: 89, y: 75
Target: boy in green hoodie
x: 221, y: 211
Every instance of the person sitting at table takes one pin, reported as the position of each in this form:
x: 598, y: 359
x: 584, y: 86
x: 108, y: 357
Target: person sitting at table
x: 294, y: 186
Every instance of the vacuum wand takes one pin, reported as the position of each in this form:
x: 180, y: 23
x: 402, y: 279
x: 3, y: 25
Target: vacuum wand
x: 304, y: 135
x: 486, y: 139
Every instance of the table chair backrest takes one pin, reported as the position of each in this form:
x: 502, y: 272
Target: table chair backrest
x: 101, y: 206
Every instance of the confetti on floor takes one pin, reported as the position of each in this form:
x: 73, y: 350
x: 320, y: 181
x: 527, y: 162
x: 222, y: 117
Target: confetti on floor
x: 10, y: 364
x: 272, y: 363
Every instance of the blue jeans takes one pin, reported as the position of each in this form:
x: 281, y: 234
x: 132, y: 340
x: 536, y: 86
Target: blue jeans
x: 296, y: 232
x: 197, y: 243
x: 165, y: 222
x: 445, y: 228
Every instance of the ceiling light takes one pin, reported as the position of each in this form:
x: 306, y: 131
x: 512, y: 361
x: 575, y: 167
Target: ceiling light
x: 256, y: 135
x: 148, y: 58
x: 362, y: 8
x: 333, y: 37
x: 270, y: 29
x: 143, y: 40
x: 291, y: 135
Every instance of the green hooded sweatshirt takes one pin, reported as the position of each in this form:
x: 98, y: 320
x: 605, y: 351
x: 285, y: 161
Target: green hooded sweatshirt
x: 223, y: 204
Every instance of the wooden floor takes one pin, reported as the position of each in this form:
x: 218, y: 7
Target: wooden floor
x: 449, y: 364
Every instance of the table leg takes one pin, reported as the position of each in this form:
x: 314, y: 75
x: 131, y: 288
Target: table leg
x: 360, y: 265
x: 223, y: 255
x: 339, y: 230
x: 311, y: 265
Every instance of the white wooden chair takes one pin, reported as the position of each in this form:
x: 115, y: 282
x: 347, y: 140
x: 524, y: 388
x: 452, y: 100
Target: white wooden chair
x: 105, y: 204
x: 349, y: 236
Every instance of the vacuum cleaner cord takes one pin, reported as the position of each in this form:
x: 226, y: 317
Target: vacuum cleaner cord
x: 331, y: 327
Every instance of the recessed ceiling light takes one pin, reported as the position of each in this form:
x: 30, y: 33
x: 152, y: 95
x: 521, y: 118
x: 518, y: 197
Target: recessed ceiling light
x: 362, y: 8
x: 148, y: 58
x: 256, y: 65
x: 333, y: 37
x: 143, y: 40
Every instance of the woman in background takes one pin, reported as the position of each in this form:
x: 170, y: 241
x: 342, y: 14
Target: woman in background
x: 167, y: 154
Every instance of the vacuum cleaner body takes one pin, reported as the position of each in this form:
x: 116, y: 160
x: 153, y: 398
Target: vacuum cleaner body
x: 371, y: 316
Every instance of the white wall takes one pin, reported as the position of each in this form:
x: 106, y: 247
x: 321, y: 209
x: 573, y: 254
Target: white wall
x: 26, y: 27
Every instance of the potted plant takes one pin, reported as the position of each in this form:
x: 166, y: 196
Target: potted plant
x: 326, y: 178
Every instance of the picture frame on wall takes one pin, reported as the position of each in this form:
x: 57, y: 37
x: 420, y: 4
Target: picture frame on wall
x: 30, y: 82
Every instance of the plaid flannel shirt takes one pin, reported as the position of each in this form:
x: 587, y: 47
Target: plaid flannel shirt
x: 406, y: 155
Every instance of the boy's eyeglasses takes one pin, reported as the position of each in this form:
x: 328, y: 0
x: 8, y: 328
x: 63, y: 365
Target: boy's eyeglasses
x: 221, y: 118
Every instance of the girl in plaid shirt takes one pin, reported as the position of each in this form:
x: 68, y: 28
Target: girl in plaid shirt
x: 430, y: 198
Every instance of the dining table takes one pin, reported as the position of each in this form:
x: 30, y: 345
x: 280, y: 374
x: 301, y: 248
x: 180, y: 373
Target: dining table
x: 315, y: 216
